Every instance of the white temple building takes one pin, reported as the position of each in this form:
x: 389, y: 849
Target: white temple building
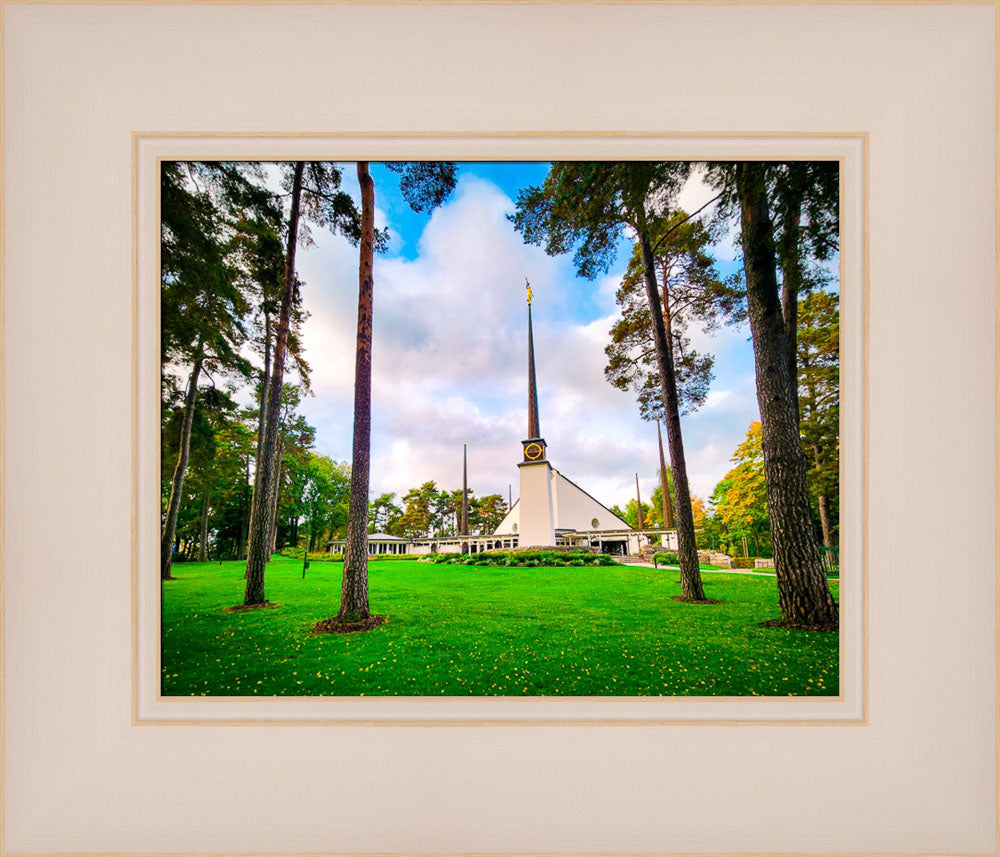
x: 551, y: 510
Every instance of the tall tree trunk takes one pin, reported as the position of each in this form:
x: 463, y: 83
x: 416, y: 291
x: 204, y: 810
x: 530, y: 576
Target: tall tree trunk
x: 464, y: 523
x: 802, y: 589
x: 272, y: 521
x: 824, y: 520
x: 169, y: 534
x: 823, y: 504
x: 354, y: 586
x: 203, y: 533
x: 265, y: 380
x: 790, y: 256
x: 264, y: 487
x: 687, y: 550
x: 241, y: 545
x: 305, y: 554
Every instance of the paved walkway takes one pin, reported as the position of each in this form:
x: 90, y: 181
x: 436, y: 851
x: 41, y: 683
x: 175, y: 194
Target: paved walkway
x: 708, y: 570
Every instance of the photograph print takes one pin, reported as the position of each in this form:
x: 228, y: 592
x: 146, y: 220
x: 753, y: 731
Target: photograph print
x: 500, y: 429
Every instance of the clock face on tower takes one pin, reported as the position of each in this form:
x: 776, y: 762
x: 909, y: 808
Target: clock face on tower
x: 534, y: 450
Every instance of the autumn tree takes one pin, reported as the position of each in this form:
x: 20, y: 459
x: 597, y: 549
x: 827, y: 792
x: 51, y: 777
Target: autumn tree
x: 632, y: 513
x: 314, y: 194
x: 424, y: 185
x: 698, y: 511
x: 740, y: 498
x: 586, y: 208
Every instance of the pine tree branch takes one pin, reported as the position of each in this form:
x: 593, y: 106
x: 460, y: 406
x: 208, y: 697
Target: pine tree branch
x: 680, y: 223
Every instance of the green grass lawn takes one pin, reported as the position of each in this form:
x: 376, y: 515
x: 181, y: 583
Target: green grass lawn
x: 459, y: 631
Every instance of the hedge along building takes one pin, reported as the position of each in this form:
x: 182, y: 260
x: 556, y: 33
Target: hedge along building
x: 550, y: 509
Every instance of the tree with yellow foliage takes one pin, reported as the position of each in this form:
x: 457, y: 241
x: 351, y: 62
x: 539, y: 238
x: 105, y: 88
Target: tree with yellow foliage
x: 740, y: 499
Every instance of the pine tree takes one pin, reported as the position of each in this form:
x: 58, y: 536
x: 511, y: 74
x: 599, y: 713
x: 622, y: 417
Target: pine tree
x: 314, y: 195
x: 424, y: 185
x: 203, y: 306
x: 803, y: 592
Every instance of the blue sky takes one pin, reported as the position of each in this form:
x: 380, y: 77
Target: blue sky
x: 449, y: 351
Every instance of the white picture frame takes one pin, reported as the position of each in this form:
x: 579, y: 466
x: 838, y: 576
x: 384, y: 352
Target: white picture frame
x: 95, y: 761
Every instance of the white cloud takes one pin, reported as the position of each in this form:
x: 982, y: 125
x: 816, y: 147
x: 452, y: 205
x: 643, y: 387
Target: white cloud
x: 450, y: 364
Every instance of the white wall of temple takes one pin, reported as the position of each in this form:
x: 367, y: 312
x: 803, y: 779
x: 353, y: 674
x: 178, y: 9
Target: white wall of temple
x: 575, y: 509
x: 510, y: 524
x: 536, y: 524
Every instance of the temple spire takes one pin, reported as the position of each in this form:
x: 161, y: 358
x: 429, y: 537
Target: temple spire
x: 668, y: 509
x: 533, y: 429
x: 464, y: 523
x: 638, y: 502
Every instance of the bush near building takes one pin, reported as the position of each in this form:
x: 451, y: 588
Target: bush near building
x: 526, y: 558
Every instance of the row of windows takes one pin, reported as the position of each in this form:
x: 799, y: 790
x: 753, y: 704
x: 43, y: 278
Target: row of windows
x: 398, y: 548
x: 386, y: 547
x: 499, y: 544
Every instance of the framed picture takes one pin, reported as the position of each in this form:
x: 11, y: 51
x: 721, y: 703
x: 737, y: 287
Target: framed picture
x: 189, y: 669
x: 144, y: 672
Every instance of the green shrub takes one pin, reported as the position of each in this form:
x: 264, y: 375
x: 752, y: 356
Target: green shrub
x: 665, y: 558
x: 315, y: 556
x: 743, y: 561
x: 529, y: 557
